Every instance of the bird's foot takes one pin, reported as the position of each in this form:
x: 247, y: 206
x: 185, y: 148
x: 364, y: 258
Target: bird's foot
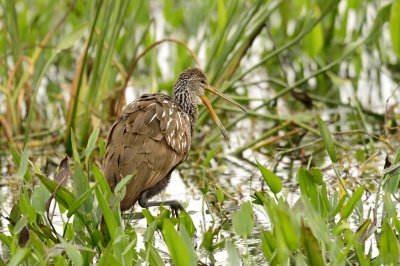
x: 176, y: 206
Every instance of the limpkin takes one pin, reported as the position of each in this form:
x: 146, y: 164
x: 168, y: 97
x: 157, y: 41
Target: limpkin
x: 153, y: 136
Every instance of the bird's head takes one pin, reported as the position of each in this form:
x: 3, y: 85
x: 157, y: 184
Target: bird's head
x: 194, y: 82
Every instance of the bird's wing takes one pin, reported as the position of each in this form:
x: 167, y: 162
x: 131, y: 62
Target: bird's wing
x: 150, y: 139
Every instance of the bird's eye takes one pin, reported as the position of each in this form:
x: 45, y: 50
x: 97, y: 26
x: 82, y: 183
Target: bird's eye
x: 203, y: 82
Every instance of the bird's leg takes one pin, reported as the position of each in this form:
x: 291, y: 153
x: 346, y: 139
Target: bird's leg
x: 175, y: 205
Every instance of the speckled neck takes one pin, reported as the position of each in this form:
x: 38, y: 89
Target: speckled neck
x: 184, y: 100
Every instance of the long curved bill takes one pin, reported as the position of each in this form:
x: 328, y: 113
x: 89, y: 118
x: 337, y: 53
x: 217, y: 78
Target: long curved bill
x: 214, y: 116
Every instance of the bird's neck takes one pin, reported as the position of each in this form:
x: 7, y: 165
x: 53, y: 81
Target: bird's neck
x: 187, y: 104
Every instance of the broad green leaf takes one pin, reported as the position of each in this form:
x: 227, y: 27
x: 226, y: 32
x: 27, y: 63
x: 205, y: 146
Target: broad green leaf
x: 107, y: 258
x: 233, y: 254
x: 317, y: 175
x: 361, y: 233
x: 328, y: 140
x: 187, y: 239
x: 186, y: 221
x: 78, y: 203
x: 19, y: 256
x: 81, y: 186
x: 178, y: 250
x: 388, y: 246
x: 273, y: 181
x: 206, y: 243
x: 63, y: 195
x: 268, y: 244
x: 154, y: 256
x: 243, y: 220
x: 291, y: 236
x: 92, y: 141
x: 123, y: 247
x: 391, y: 185
x: 39, y: 198
x: 394, y: 25
x: 350, y: 205
x: 108, y: 216
x: 25, y: 205
x: 311, y: 247
x: 307, y: 186
x: 72, y: 252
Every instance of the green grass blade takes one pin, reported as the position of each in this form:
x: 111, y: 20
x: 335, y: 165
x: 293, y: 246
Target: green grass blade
x: 394, y: 25
x: 350, y: 205
x: 92, y: 141
x: 98, y: 175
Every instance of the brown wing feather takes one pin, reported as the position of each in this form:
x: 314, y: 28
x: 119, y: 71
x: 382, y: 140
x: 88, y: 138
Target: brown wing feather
x: 150, y: 138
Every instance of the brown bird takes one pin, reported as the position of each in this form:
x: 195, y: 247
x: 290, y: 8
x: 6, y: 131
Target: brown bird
x: 153, y: 136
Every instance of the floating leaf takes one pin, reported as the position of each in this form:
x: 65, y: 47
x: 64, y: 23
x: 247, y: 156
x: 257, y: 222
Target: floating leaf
x: 273, y: 181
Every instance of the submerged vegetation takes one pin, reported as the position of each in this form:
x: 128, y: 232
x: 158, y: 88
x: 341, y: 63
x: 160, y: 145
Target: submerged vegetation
x: 310, y: 176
